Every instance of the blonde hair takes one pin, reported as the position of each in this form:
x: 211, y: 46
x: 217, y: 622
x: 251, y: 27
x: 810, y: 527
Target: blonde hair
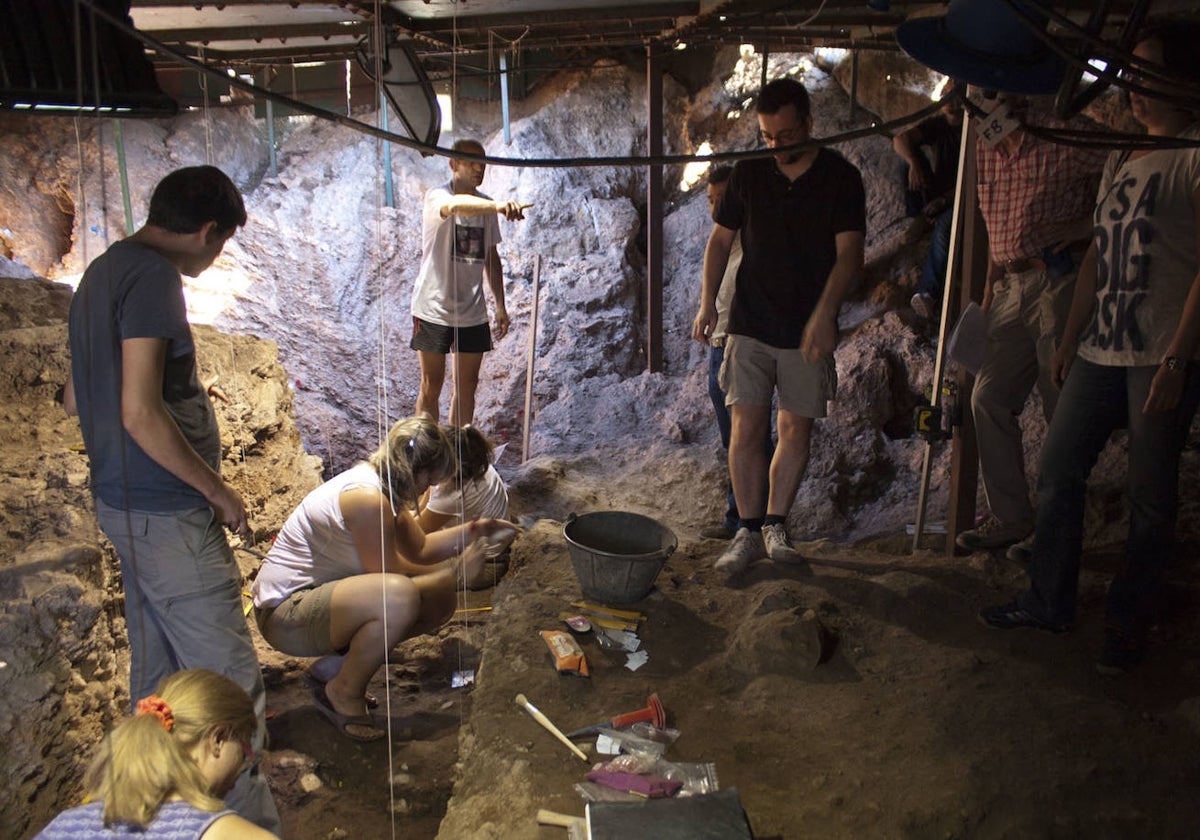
x: 140, y: 764
x: 414, y: 445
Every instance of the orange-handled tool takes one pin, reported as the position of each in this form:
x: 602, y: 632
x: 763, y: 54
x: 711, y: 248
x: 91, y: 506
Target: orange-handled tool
x: 653, y: 712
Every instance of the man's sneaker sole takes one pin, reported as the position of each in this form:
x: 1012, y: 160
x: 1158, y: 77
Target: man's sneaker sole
x: 1011, y: 617
x: 785, y: 555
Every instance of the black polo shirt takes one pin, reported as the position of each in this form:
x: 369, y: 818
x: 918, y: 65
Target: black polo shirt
x: 788, y: 246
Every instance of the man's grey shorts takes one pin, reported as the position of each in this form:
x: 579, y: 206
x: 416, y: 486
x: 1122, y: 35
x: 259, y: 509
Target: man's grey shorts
x: 753, y: 371
x: 300, y: 625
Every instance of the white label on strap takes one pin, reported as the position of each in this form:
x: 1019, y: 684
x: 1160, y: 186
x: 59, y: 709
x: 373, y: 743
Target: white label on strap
x: 996, y: 125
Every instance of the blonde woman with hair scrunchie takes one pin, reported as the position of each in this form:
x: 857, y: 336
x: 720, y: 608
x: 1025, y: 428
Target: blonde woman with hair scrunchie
x: 165, y: 771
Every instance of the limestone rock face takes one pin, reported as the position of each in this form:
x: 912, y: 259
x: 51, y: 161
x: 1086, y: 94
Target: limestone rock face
x: 63, y: 652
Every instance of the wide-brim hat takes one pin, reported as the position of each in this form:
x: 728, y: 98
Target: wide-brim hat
x: 987, y: 44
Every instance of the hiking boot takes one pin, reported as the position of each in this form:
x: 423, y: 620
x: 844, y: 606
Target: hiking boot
x: 922, y: 304
x: 717, y: 532
x: 746, y: 547
x: 1021, y: 552
x: 992, y: 533
x: 1012, y: 616
x: 1123, y: 651
x: 777, y: 545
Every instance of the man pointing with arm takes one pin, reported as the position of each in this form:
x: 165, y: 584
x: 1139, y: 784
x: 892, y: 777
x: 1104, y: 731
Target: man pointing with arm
x: 458, y: 252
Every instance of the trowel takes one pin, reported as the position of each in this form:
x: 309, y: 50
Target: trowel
x: 653, y: 712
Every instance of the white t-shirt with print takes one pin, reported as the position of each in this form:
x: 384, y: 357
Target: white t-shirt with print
x: 1146, y: 255
x: 449, y: 287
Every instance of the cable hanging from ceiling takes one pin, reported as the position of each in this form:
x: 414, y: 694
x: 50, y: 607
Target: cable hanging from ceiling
x: 887, y: 128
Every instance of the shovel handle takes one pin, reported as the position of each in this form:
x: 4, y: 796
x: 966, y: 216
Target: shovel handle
x: 546, y: 817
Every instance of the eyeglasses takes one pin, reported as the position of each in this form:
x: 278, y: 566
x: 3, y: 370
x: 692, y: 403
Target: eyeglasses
x: 1132, y: 76
x: 784, y: 138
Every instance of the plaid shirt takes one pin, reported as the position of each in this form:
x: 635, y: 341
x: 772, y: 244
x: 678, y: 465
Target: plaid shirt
x: 1023, y: 195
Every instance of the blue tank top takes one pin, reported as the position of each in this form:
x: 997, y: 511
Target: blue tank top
x: 174, y: 821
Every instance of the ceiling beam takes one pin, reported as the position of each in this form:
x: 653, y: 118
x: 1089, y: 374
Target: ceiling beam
x: 264, y: 32
x: 575, y: 16
x: 201, y: 5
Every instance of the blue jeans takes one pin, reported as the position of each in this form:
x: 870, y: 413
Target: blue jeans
x: 183, y: 609
x: 716, y: 356
x: 933, y: 274
x: 1095, y: 400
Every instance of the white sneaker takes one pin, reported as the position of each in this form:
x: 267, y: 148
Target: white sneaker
x: 745, y: 547
x: 778, y: 546
x: 922, y: 304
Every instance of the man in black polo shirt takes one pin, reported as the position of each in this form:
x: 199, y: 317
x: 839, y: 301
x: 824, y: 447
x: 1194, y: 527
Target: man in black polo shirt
x: 802, y: 218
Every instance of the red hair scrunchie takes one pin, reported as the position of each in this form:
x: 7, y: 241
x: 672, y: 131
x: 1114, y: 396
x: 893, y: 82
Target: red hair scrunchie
x: 155, y: 705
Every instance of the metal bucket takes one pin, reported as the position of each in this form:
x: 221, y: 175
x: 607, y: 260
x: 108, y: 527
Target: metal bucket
x: 617, y: 555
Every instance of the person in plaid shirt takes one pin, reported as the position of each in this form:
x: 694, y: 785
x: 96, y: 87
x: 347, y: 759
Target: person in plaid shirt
x: 1037, y: 199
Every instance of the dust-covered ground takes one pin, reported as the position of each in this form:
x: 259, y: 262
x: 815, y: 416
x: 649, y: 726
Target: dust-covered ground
x: 918, y: 722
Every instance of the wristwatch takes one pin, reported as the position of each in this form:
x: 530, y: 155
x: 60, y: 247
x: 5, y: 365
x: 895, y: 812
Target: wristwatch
x: 1175, y: 363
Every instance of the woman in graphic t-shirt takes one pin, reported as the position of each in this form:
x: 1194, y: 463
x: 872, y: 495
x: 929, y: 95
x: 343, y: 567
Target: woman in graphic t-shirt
x: 1127, y: 359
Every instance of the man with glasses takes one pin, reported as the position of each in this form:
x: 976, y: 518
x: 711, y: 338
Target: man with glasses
x: 801, y: 214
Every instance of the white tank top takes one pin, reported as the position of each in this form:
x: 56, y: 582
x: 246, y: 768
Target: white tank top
x: 314, y: 546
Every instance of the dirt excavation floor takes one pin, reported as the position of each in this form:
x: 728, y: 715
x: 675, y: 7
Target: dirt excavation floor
x: 919, y: 722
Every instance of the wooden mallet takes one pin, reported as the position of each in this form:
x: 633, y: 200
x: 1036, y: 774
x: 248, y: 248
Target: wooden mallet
x: 523, y: 701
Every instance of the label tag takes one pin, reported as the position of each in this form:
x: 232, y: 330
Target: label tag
x: 996, y: 125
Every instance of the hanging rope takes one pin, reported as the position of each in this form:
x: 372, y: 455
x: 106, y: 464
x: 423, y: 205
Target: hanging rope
x: 386, y: 516
x: 81, y: 205
x: 99, y: 137
x: 208, y: 151
x: 456, y: 367
x: 81, y: 191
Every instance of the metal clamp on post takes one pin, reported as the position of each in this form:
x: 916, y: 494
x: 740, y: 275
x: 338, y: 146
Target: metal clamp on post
x: 927, y: 421
x: 937, y: 422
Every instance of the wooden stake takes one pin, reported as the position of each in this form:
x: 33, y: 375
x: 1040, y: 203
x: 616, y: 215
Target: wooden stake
x: 533, y: 327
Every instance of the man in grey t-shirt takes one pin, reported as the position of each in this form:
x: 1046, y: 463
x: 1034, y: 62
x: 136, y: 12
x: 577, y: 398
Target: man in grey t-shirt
x: 155, y: 451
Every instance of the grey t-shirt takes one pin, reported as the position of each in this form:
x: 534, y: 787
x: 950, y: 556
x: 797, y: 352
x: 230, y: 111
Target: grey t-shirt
x: 132, y: 291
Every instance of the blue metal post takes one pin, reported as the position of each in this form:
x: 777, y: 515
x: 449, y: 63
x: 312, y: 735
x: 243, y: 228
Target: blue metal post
x: 387, y: 155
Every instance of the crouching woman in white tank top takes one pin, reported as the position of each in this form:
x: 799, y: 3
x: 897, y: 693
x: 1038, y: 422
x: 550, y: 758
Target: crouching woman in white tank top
x: 351, y: 574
